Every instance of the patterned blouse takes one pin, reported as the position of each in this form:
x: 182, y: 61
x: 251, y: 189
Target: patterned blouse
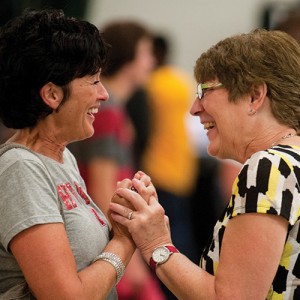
x: 268, y: 183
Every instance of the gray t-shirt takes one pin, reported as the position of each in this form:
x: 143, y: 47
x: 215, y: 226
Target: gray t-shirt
x: 38, y: 190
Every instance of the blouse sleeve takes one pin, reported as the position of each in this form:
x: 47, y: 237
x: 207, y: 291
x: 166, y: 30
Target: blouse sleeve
x: 268, y: 184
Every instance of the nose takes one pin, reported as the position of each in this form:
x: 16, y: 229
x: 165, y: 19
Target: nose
x: 102, y: 93
x: 197, y: 107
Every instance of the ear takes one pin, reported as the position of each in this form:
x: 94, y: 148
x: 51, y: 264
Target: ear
x: 52, y: 95
x: 258, y: 96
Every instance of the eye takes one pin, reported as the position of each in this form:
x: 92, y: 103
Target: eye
x: 96, y: 82
x: 204, y: 91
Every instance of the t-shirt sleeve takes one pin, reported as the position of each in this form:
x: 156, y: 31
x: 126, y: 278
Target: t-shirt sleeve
x: 27, y: 198
x: 267, y: 184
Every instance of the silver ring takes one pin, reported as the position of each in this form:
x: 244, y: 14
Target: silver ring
x: 130, y: 215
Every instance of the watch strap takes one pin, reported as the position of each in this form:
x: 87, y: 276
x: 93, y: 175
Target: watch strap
x: 172, y: 250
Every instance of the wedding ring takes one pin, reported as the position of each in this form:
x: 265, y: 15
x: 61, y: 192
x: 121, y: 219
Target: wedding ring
x: 133, y: 189
x: 130, y: 215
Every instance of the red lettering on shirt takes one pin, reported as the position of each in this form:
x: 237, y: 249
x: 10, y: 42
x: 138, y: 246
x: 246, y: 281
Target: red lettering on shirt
x: 68, y: 196
x: 64, y: 193
x: 82, y: 194
x: 97, y: 217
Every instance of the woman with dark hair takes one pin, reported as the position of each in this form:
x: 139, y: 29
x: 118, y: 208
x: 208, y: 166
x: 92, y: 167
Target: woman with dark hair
x: 54, y: 241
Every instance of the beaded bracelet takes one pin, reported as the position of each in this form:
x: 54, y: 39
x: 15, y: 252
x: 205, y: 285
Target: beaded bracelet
x: 114, y: 260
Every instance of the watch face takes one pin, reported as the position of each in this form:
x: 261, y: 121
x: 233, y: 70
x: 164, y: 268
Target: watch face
x: 161, y: 255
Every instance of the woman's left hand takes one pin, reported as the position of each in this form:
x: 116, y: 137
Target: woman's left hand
x: 147, y: 190
x: 118, y: 229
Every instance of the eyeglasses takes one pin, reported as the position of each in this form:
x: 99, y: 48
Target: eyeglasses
x: 202, y: 87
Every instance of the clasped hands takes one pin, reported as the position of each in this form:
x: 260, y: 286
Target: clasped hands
x: 136, y: 213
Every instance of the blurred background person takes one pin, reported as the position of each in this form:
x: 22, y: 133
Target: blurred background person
x: 289, y: 22
x: 107, y: 157
x: 169, y: 158
x: 139, y: 112
x: 212, y: 189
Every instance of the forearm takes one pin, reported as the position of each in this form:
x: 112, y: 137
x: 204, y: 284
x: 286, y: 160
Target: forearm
x: 99, y: 278
x: 185, y: 279
x: 149, y: 229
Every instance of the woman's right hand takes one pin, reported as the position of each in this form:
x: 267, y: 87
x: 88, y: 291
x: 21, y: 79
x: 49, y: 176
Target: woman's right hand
x: 118, y: 229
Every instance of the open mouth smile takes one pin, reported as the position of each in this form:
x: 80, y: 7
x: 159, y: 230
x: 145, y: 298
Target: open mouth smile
x: 92, y: 111
x: 209, y: 125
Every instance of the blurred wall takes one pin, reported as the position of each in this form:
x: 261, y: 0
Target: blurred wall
x: 193, y: 25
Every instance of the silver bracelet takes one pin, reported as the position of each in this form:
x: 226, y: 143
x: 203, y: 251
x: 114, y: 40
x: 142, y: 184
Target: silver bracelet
x: 114, y: 260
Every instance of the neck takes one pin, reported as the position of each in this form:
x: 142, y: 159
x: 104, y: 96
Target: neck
x: 286, y: 136
x: 39, y: 143
x: 262, y: 142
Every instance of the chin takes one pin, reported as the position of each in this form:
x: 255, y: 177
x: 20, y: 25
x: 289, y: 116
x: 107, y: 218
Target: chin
x: 212, y: 151
x: 86, y: 135
x: 215, y: 152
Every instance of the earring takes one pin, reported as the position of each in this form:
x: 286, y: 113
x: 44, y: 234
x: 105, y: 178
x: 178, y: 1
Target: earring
x: 251, y: 112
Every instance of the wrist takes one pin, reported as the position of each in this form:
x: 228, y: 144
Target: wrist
x: 161, y: 255
x: 115, y: 261
x: 147, y: 250
x: 123, y: 246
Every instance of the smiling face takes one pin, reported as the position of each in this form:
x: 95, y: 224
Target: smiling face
x: 223, y: 120
x: 76, y: 116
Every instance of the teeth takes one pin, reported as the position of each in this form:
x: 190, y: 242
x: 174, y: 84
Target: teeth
x: 93, y: 110
x: 209, y: 125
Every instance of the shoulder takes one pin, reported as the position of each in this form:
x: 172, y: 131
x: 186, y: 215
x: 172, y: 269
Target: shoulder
x: 279, y: 157
x: 17, y: 156
x: 268, y: 183
x: 274, y: 162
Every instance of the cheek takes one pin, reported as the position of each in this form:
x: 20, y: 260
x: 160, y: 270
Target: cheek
x: 142, y: 73
x: 145, y: 63
x: 74, y: 106
x: 84, y: 99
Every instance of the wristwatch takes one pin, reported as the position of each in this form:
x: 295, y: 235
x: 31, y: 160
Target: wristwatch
x: 160, y: 255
